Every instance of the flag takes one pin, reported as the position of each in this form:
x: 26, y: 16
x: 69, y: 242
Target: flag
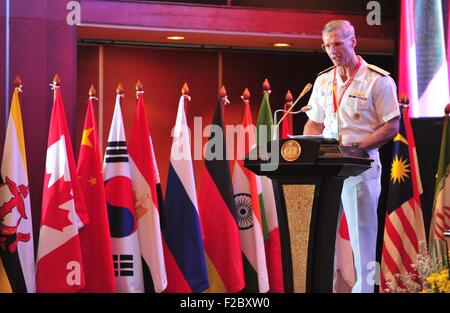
x: 121, y: 209
x: 217, y: 213
x: 17, y: 265
x: 345, y: 266
x: 146, y: 188
x: 423, y: 73
x: 184, y: 252
x: 286, y: 124
x: 94, y: 237
x: 441, y: 205
x: 267, y: 203
x: 59, y: 259
x: 404, y: 228
x: 247, y: 188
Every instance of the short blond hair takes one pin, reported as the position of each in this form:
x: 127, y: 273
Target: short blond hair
x: 346, y: 27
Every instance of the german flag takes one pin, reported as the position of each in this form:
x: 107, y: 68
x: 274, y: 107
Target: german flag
x: 217, y: 212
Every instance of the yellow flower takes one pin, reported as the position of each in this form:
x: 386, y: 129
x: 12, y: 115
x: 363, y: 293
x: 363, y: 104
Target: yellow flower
x: 431, y: 279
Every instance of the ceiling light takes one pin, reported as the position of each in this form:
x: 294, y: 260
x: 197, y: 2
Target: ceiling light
x: 175, y: 37
x: 281, y: 44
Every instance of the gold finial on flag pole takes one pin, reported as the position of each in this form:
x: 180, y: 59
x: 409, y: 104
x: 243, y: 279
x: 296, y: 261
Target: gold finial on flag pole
x: 266, y: 86
x: 185, y: 92
x: 222, y: 92
x: 245, y: 95
x: 17, y: 82
x: 288, y: 97
x: 403, y: 100
x: 139, y: 88
x: 119, y: 89
x: 223, y: 95
x: 92, y: 92
x: 56, y: 80
x: 185, y: 89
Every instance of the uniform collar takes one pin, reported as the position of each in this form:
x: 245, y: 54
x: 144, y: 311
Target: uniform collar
x: 359, y: 75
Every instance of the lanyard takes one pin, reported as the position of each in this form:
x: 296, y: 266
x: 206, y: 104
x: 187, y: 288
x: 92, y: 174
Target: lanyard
x: 336, y: 102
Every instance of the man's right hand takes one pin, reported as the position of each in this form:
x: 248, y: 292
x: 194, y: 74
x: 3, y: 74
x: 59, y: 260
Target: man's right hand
x: 313, y: 128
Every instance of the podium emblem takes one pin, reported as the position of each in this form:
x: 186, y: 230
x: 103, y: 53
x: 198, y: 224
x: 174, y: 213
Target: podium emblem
x: 291, y: 150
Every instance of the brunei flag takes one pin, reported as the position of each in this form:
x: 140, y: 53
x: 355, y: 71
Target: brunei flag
x: 404, y: 227
x: 126, y: 252
x: 247, y: 188
x: 17, y: 266
x: 147, y: 190
x: 267, y: 201
x: 94, y: 237
x: 184, y: 252
x: 217, y: 212
x: 59, y: 260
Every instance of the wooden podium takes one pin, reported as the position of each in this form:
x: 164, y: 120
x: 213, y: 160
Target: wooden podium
x: 307, y: 181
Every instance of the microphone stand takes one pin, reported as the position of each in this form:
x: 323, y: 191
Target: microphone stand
x: 275, y: 120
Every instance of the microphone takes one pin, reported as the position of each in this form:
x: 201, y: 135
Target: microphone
x: 305, y: 90
x: 304, y: 109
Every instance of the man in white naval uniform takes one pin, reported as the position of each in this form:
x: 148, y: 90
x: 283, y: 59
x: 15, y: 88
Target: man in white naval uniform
x: 356, y: 103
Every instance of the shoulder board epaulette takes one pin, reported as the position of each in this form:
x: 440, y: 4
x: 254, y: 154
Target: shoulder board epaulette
x: 378, y: 70
x: 326, y: 70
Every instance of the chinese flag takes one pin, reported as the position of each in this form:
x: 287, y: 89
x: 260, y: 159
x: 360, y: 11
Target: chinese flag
x: 95, y: 237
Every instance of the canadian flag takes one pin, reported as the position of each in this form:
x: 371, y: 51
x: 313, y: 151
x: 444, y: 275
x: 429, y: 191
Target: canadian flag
x: 59, y: 259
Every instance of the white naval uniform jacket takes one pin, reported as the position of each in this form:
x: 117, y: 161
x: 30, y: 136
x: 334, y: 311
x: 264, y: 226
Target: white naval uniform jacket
x: 369, y: 101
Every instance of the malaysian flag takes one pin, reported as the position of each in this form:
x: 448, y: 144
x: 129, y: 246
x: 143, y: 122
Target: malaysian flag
x: 404, y: 227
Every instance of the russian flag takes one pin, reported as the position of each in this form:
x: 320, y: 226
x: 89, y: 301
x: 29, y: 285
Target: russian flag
x: 184, y: 252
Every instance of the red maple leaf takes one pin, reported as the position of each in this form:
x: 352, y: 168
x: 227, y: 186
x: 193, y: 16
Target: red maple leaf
x: 58, y: 194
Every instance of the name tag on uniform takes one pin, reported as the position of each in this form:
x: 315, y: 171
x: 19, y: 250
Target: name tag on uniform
x: 358, y: 95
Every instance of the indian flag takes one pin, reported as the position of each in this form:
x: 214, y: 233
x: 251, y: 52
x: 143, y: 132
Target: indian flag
x: 247, y: 188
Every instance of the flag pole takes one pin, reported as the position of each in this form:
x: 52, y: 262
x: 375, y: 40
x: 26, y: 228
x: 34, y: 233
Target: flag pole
x: 185, y: 89
x: 139, y: 89
x: 92, y: 92
x: 18, y: 85
x: 119, y: 92
x: 223, y: 95
x: 185, y: 93
x: 245, y: 96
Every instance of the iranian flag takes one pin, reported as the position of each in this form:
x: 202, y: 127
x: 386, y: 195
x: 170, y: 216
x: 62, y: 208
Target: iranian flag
x: 267, y: 202
x: 441, y: 205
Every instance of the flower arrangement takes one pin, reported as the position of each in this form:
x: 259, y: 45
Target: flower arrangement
x: 431, y: 272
